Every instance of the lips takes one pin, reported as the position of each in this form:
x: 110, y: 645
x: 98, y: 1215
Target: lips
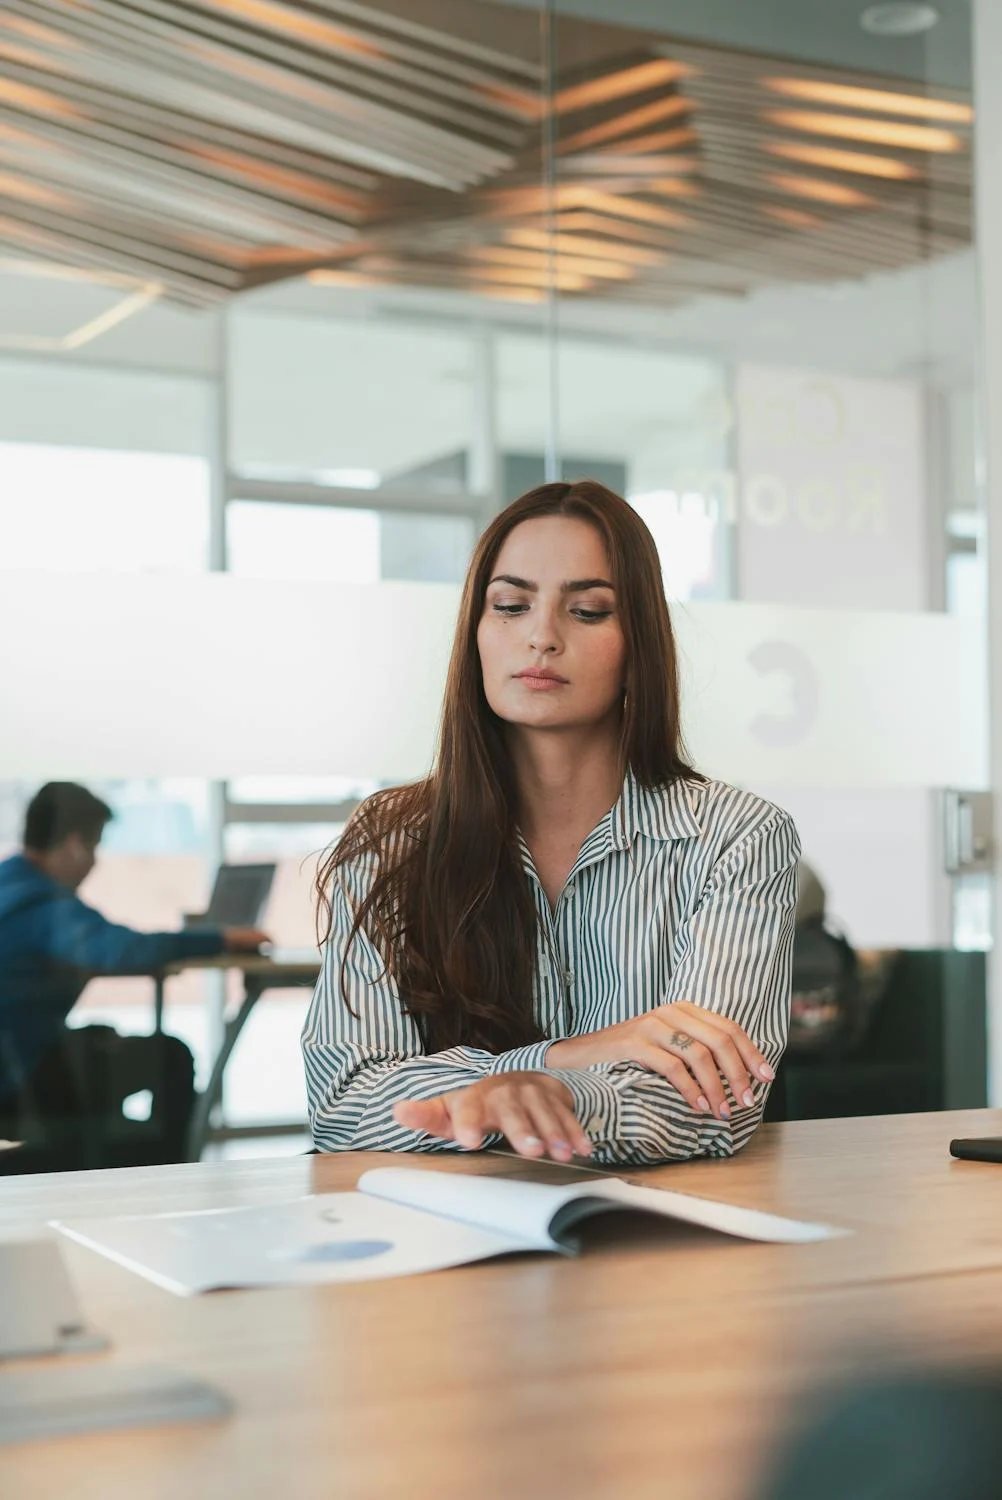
x: 536, y: 681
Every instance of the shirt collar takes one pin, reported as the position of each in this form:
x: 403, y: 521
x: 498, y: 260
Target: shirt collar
x: 663, y: 812
x: 668, y: 811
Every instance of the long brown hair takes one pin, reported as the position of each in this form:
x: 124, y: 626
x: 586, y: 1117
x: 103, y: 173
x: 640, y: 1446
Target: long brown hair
x: 449, y: 908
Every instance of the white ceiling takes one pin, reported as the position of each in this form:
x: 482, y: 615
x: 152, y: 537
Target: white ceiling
x: 825, y: 31
x: 918, y: 321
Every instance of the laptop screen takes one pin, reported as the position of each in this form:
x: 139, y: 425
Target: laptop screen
x: 239, y: 895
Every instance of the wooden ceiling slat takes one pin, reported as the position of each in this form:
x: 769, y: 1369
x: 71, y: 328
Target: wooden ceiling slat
x: 156, y: 258
x: 177, y: 192
x: 347, y: 124
x: 427, y: 67
x: 531, y: 71
x: 582, y: 221
x: 131, y: 111
x: 158, y: 225
x: 132, y: 32
x: 215, y: 144
x: 66, y: 248
x: 106, y: 175
x: 243, y: 105
x: 168, y: 137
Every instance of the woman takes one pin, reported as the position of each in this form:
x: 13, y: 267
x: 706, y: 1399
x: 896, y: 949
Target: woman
x: 565, y: 936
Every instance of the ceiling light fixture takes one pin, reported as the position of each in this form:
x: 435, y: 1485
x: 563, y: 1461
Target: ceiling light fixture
x: 582, y: 245
x: 580, y: 221
x: 629, y: 123
x: 821, y: 192
x: 834, y: 160
x: 629, y: 208
x: 658, y: 73
x: 544, y: 264
x: 877, y: 101
x: 623, y: 163
x: 875, y: 132
x: 899, y: 18
x: 137, y: 296
x: 661, y: 140
x: 794, y: 218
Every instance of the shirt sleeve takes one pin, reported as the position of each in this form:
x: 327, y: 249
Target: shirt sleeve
x: 359, y: 1065
x: 73, y: 933
x: 734, y: 956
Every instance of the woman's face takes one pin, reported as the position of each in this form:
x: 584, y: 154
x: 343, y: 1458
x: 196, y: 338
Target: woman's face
x: 551, y: 646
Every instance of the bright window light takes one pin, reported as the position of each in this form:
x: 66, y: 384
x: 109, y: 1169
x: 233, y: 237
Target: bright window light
x: 336, y: 545
x: 684, y: 528
x: 81, y: 510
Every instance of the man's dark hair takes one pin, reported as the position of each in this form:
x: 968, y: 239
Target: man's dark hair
x: 59, y: 809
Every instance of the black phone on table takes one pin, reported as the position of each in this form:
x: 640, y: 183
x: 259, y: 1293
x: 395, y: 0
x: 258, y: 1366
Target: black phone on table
x: 984, y: 1148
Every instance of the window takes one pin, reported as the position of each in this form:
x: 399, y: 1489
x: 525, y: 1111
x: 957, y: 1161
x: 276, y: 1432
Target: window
x: 336, y: 545
x: 82, y: 510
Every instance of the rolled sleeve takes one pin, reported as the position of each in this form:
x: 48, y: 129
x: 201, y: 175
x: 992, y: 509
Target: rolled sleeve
x: 733, y: 956
x: 364, y: 1056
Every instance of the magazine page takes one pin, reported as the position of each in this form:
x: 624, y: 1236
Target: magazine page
x: 707, y: 1213
x: 539, y: 1216
x: 330, y: 1237
x: 522, y: 1211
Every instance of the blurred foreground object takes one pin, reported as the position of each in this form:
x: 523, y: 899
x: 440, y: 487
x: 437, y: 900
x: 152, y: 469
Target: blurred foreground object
x: 932, y: 1435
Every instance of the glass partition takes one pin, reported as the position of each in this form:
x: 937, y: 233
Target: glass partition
x: 795, y: 200
x: 717, y: 256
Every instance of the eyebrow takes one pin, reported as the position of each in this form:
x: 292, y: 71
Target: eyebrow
x: 572, y: 586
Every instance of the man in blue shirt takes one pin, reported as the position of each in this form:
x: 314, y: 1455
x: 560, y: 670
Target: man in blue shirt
x: 51, y: 944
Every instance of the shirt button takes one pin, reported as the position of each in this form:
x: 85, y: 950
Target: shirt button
x: 595, y: 1124
x: 570, y: 888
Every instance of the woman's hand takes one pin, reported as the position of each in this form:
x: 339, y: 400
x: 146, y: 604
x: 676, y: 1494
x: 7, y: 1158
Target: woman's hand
x: 696, y: 1050
x: 535, y: 1113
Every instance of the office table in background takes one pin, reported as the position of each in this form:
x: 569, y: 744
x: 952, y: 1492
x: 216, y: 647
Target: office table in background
x: 259, y: 974
x: 663, y: 1362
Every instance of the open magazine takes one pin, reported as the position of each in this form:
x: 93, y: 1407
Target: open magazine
x: 399, y: 1222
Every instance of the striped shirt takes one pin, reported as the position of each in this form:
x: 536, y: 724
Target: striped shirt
x: 683, y: 892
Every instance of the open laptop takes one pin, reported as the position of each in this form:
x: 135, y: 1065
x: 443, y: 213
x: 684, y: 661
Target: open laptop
x: 238, y: 897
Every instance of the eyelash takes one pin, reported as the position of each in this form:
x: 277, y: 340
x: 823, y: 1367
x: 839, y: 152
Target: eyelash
x: 586, y: 616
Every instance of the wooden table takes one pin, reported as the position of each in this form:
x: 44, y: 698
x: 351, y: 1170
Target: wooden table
x: 662, y: 1363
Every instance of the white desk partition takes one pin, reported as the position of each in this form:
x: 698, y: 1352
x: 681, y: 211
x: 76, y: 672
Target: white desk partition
x: 217, y: 676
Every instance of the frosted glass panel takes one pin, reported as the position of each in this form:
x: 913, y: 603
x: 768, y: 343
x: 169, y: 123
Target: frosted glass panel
x: 834, y: 698
x: 832, y: 489
x: 222, y: 677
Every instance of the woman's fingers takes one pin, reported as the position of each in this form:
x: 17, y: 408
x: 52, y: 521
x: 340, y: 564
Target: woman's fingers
x: 660, y: 1060
x: 468, y: 1117
x: 535, y: 1114
x: 703, y: 1066
x: 537, y: 1119
x: 700, y: 1027
x: 517, y: 1125
x: 556, y: 1125
x: 752, y: 1056
x: 431, y: 1116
